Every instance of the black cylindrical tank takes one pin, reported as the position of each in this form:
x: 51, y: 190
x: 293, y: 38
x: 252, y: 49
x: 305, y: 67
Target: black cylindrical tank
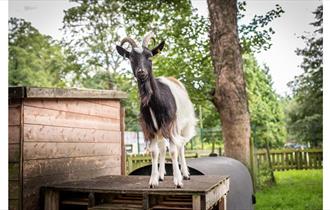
x: 240, y: 195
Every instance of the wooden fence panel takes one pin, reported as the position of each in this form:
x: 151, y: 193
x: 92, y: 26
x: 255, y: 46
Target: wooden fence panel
x: 280, y: 159
x: 292, y: 159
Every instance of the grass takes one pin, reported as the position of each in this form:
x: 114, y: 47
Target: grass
x: 295, y: 190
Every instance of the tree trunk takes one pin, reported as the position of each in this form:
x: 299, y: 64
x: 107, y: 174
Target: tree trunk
x: 230, y: 95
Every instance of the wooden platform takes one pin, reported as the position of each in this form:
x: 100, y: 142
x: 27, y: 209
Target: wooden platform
x: 133, y: 192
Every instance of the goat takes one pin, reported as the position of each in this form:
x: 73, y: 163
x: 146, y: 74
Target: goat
x: 166, y: 111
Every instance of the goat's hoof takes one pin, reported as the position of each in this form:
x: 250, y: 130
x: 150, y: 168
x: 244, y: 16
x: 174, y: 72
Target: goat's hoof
x: 152, y: 186
x: 186, y: 177
x: 179, y: 186
x: 160, y: 179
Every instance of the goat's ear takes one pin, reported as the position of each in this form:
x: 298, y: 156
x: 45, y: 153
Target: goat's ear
x: 122, y: 51
x: 158, y: 48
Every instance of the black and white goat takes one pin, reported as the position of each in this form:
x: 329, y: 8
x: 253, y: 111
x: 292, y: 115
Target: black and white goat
x: 166, y: 111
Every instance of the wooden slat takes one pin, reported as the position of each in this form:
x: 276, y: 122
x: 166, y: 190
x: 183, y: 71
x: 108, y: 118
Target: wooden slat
x: 14, y: 115
x: 36, y: 168
x: 122, y: 143
x: 14, y: 153
x: 39, y: 116
x: 81, y: 202
x: 14, y: 190
x: 46, y: 133
x: 196, y: 200
x: 14, y: 170
x: 111, y: 103
x: 32, y: 92
x: 75, y: 105
x: 13, y: 204
x: 165, y: 207
x: 116, y: 207
x: 34, y: 150
x: 52, y: 200
x: 14, y: 134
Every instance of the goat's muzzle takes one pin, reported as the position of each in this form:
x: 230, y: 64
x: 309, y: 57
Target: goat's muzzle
x: 142, y: 74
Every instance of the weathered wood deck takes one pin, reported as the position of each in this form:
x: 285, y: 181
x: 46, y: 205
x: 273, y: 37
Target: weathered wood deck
x: 133, y: 192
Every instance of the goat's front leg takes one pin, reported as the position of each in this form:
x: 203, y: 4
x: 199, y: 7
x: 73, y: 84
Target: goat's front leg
x: 154, y: 158
x: 177, y: 177
x: 184, y: 167
x: 162, y: 155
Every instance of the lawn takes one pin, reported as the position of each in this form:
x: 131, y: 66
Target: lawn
x: 295, y: 190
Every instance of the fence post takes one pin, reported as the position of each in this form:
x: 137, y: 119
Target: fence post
x: 130, y: 164
x: 138, y: 141
x: 298, y: 159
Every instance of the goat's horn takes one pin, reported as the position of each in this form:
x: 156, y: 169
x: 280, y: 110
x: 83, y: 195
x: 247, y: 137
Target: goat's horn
x: 147, y: 38
x: 130, y: 41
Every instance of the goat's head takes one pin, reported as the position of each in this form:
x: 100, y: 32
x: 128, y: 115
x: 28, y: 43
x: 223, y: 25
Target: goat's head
x: 140, y: 57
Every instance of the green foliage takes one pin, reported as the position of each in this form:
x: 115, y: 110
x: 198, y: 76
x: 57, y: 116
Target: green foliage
x: 305, y: 110
x: 256, y: 35
x: 266, y: 111
x: 91, y: 30
x: 264, y: 179
x: 35, y: 59
x: 295, y: 190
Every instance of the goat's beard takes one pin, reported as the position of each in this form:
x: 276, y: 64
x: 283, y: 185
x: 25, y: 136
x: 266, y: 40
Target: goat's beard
x: 146, y: 91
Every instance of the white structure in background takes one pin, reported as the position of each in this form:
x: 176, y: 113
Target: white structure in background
x: 134, y: 142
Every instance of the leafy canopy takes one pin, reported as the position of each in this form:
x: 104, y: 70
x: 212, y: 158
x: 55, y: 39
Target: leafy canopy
x: 35, y: 59
x: 305, y: 110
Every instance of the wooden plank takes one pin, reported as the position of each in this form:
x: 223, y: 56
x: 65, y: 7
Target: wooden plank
x: 14, y: 134
x: 105, y: 102
x: 52, y: 200
x: 48, y: 167
x: 46, y: 133
x: 14, y: 171
x: 14, y: 190
x: 139, y: 185
x: 196, y: 202
x: 76, y: 106
x: 73, y: 93
x: 14, y: 115
x: 14, y: 153
x: 39, y: 116
x: 34, y: 150
x: 223, y: 203
x: 13, y: 204
x: 123, y: 150
x: 108, y: 206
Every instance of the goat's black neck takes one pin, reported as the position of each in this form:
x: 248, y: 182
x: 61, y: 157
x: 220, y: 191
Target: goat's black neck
x: 147, y: 89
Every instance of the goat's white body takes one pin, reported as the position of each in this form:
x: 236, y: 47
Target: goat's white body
x: 182, y: 133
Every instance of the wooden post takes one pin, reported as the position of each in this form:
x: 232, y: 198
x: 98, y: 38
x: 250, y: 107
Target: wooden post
x: 123, y: 150
x: 196, y: 199
x: 298, y: 159
x: 129, y: 164
x: 223, y: 203
x: 146, y: 204
x: 52, y: 200
x: 91, y: 200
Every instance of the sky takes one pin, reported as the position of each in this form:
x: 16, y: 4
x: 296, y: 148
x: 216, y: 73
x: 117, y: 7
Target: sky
x: 47, y: 17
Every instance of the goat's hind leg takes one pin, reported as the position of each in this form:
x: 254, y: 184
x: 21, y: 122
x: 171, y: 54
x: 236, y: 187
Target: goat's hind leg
x: 184, y: 167
x: 177, y: 177
x: 153, y: 182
